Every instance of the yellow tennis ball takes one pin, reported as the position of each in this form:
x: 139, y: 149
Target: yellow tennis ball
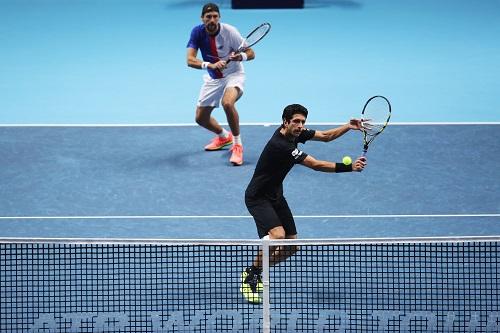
x: 347, y: 160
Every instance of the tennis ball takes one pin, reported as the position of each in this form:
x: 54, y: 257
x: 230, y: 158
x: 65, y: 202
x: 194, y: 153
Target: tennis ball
x: 347, y: 160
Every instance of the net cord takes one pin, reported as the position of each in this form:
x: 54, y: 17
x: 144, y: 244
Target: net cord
x: 310, y: 241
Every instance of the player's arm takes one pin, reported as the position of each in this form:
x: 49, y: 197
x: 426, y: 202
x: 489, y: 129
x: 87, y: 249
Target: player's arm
x: 194, y: 62
x: 334, y: 133
x: 326, y: 166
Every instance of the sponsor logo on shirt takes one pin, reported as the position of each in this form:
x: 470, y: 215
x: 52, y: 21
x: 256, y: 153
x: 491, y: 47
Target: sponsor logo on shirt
x: 296, y: 153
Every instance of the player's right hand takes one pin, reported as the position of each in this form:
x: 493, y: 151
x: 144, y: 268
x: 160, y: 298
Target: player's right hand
x: 359, y: 164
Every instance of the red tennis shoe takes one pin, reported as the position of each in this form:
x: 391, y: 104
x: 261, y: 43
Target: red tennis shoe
x: 218, y: 143
x: 237, y: 155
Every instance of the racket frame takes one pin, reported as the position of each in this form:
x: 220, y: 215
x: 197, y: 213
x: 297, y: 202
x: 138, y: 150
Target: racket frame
x: 366, y: 142
x: 242, y: 48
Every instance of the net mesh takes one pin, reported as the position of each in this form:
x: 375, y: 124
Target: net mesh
x: 393, y: 287
x: 437, y: 287
x: 123, y: 288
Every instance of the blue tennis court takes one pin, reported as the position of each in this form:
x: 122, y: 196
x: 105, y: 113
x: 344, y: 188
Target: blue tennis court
x: 102, y: 64
x: 99, y: 149
x: 155, y: 182
x: 97, y: 139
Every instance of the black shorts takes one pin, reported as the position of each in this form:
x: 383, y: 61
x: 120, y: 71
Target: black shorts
x: 269, y: 214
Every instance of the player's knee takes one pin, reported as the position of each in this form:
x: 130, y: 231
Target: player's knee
x: 228, y: 106
x: 200, y: 119
x: 290, y: 250
x: 277, y: 233
x: 203, y: 114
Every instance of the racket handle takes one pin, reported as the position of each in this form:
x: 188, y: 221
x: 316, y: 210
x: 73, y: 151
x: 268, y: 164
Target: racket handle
x: 229, y: 60
x: 238, y: 52
x: 365, y: 149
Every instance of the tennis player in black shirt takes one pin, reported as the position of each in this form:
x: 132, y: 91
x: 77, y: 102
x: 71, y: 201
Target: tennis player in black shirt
x: 264, y: 194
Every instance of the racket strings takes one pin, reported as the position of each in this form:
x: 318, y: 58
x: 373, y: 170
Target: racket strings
x: 373, y: 129
x: 257, y: 35
x: 375, y: 117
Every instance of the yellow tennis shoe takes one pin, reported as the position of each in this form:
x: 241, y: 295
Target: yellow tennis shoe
x: 251, y: 286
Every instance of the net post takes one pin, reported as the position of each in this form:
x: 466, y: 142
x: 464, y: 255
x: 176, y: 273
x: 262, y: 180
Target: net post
x: 266, y: 305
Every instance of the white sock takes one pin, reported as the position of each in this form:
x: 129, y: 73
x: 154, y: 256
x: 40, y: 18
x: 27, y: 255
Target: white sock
x: 237, y: 140
x: 224, y: 134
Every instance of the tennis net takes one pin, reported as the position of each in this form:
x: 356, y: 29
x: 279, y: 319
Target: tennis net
x: 357, y: 285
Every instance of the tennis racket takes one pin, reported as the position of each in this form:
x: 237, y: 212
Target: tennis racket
x: 374, y: 119
x: 251, y: 39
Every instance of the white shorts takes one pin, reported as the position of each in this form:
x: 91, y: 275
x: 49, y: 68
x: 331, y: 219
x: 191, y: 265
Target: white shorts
x: 212, y: 90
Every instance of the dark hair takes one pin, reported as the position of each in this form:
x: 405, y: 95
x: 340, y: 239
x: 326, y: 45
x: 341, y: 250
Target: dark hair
x: 292, y: 109
x: 209, y: 7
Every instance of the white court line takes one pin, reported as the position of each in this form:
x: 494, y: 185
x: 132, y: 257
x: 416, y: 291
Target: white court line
x: 215, y: 217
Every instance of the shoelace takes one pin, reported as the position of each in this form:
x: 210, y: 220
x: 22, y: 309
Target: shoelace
x: 236, y: 148
x: 253, y: 280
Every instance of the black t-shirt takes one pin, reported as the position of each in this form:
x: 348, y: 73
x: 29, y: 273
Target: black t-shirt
x: 276, y: 160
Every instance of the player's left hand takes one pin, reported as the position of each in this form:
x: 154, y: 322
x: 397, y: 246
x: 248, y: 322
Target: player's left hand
x: 235, y: 56
x: 355, y: 124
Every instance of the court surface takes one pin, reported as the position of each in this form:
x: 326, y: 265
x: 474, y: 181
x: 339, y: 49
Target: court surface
x: 73, y: 71
x: 158, y: 182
